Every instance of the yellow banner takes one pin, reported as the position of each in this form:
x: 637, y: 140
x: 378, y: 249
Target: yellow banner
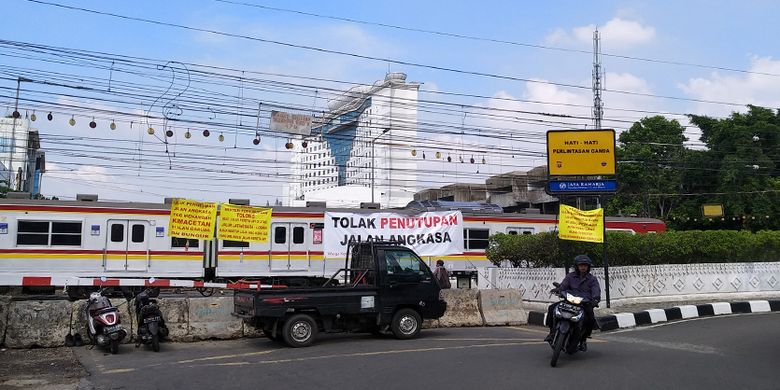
x: 244, y: 223
x: 578, y: 225
x: 191, y: 219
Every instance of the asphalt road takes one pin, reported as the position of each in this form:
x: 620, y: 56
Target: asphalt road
x: 711, y: 353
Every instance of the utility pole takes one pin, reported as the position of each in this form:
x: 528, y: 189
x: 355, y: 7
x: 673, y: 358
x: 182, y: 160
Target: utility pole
x: 598, y: 105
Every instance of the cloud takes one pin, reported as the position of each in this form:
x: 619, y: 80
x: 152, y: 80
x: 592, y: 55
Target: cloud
x: 751, y: 88
x: 616, y: 33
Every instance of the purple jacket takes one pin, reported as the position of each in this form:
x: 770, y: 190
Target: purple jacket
x: 586, y: 287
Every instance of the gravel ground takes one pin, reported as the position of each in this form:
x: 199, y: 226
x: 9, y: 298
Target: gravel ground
x: 42, y: 369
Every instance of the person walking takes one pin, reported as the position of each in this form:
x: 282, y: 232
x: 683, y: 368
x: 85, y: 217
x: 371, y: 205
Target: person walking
x: 441, y: 275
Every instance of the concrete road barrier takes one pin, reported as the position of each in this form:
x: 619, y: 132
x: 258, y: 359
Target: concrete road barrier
x: 462, y: 309
x: 37, y: 324
x: 210, y: 318
x: 502, y: 307
x: 4, y: 306
x: 175, y: 312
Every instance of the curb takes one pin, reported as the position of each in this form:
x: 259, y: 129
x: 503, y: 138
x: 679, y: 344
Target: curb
x: 653, y: 316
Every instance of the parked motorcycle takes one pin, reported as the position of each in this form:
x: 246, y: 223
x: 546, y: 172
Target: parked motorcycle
x: 103, y: 325
x: 151, y: 325
x: 569, y: 322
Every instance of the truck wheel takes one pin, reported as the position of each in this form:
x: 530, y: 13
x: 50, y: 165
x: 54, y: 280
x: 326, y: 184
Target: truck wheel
x: 406, y: 324
x: 299, y: 330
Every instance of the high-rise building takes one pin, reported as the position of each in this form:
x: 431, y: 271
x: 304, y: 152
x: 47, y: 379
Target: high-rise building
x: 21, y: 159
x: 359, y: 150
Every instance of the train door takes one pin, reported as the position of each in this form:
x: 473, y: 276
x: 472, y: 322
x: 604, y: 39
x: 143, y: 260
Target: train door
x: 289, y: 249
x: 127, y: 245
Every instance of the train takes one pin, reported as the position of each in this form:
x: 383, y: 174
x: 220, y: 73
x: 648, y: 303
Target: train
x: 129, y: 240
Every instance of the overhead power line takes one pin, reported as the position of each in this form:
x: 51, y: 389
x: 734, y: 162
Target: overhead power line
x: 372, y: 58
x: 494, y: 40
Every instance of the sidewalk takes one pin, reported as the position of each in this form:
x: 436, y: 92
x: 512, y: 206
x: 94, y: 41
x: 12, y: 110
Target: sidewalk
x: 41, y: 369
x: 647, y: 311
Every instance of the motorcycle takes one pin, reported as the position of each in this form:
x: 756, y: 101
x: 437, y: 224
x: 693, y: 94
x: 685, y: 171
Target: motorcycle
x: 569, y: 323
x: 151, y: 325
x: 103, y: 325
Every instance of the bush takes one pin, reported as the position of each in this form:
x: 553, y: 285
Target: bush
x: 673, y: 247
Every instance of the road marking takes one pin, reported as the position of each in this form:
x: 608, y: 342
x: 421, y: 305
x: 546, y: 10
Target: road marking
x: 677, y: 346
x: 478, y: 339
x: 528, y: 330
x: 377, y: 353
x: 225, y: 357
x: 119, y: 370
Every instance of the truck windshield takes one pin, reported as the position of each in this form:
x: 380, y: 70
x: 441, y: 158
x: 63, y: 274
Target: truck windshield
x: 401, y: 262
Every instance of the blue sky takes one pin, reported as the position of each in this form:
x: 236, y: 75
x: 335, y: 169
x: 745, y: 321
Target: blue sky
x: 739, y: 35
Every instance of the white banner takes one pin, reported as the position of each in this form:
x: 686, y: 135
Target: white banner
x: 429, y: 234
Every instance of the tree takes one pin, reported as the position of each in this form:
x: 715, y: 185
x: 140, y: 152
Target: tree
x: 743, y: 153
x: 651, y: 159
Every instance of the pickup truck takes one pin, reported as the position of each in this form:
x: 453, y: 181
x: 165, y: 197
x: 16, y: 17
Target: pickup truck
x: 383, y: 287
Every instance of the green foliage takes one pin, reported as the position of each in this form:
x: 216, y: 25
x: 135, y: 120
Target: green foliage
x: 661, y: 178
x: 673, y: 247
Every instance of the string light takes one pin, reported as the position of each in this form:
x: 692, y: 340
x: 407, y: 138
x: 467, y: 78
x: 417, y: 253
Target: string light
x: 50, y: 116
x: 169, y: 133
x: 150, y: 131
x: 414, y: 152
x: 187, y: 135
x: 206, y: 133
x: 72, y: 121
x: 438, y: 155
x: 93, y: 124
x: 221, y: 138
x: 33, y: 117
x: 16, y: 115
x: 112, y: 126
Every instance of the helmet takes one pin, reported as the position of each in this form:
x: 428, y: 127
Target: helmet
x: 583, y: 259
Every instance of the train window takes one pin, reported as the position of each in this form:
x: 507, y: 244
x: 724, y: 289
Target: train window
x: 177, y: 242
x: 48, y: 233
x: 138, y: 233
x: 235, y: 244
x: 298, y: 235
x: 117, y: 232
x: 476, y: 238
x: 66, y: 233
x: 32, y: 233
x: 280, y: 235
x: 515, y: 230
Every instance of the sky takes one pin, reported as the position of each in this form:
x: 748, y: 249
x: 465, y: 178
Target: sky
x: 530, y: 71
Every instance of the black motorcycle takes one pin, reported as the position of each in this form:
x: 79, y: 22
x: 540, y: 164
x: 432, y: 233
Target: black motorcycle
x: 151, y: 325
x: 569, y: 323
x: 103, y: 325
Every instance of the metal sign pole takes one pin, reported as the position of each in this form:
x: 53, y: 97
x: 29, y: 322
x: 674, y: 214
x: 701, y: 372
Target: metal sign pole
x: 606, y: 261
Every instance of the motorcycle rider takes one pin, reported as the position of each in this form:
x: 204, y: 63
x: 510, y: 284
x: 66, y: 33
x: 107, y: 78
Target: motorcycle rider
x: 581, y: 283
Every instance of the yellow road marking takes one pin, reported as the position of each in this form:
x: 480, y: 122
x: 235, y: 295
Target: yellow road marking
x: 363, y: 354
x: 528, y: 330
x: 119, y: 370
x: 225, y: 357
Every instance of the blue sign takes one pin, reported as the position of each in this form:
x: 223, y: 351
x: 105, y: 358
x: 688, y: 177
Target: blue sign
x: 583, y: 186
x: 160, y: 232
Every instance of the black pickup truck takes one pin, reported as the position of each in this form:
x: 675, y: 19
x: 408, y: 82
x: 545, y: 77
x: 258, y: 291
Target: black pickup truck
x: 382, y: 287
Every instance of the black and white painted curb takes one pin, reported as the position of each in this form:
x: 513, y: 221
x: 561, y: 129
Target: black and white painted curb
x: 654, y: 316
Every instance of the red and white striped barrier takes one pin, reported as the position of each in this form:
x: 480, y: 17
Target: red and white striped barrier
x: 67, y: 281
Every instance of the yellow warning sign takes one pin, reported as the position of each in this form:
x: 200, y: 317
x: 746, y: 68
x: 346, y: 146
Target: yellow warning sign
x: 191, y: 219
x: 577, y: 225
x: 244, y: 223
x: 581, y: 153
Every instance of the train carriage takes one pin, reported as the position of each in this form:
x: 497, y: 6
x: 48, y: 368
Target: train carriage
x: 130, y: 240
